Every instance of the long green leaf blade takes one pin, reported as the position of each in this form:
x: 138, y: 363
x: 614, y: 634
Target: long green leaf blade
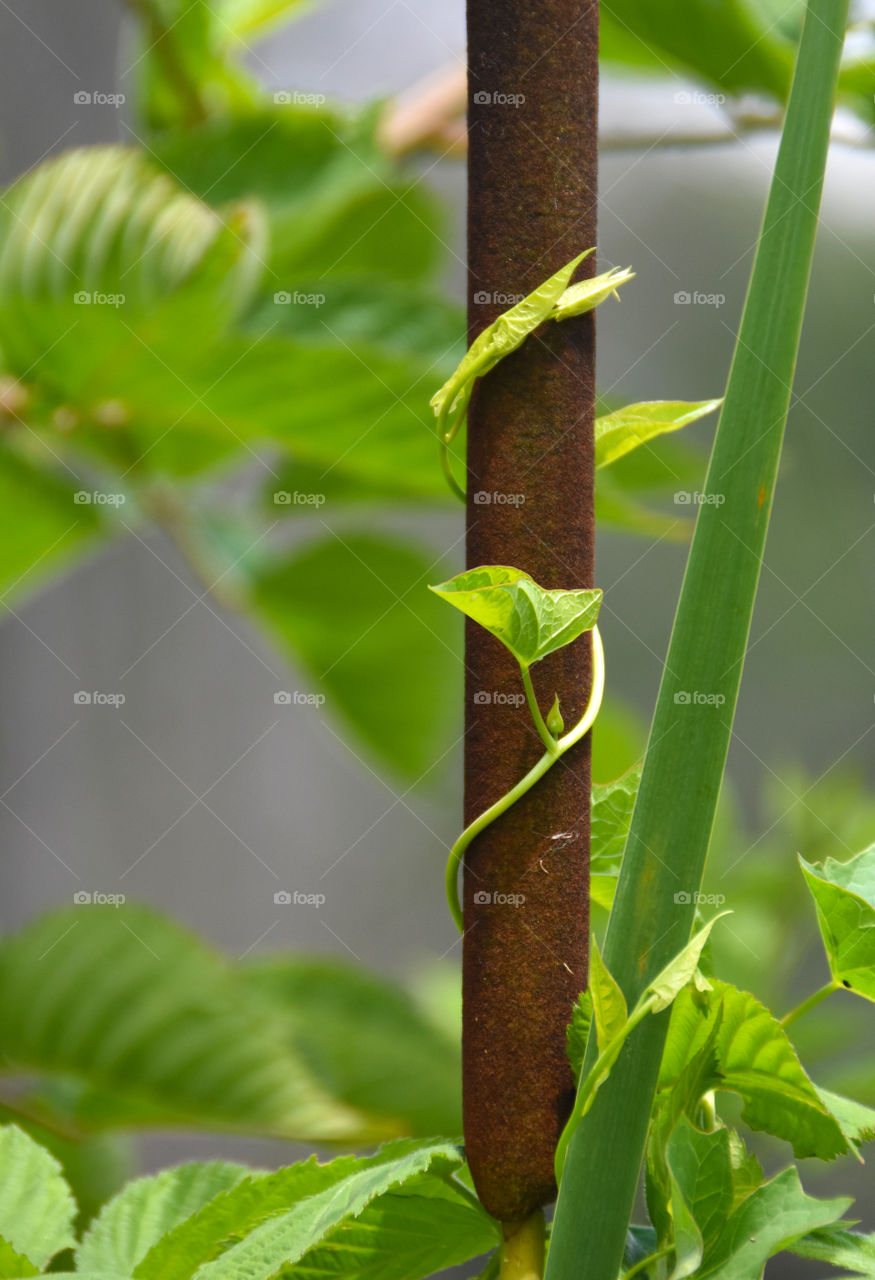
x: 689, y: 740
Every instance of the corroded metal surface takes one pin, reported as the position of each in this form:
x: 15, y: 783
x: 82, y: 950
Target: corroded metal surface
x: 533, y: 71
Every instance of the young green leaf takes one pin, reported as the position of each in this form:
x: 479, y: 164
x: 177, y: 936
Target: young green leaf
x: 577, y: 1031
x: 584, y: 296
x: 504, y: 335
x: 608, y: 1004
x: 530, y: 620
x: 663, y: 989
x: 555, y: 722
x: 145, y: 1210
x: 753, y: 1057
x: 844, y: 895
x: 36, y: 1206
x: 618, y: 433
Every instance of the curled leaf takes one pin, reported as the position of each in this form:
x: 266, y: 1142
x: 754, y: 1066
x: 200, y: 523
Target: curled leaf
x: 587, y: 294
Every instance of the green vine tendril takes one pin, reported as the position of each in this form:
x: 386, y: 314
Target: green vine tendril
x: 555, y: 749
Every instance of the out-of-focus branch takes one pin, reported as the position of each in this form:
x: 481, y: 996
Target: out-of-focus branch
x: 429, y: 116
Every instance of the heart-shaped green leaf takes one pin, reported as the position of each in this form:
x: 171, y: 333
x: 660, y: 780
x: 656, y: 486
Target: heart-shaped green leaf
x: 620, y: 432
x: 844, y: 894
x: 530, y: 620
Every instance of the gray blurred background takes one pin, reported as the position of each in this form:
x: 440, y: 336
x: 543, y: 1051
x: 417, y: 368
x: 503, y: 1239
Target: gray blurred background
x: 199, y: 794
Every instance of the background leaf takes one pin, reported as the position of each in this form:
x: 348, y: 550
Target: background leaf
x: 354, y: 610
x: 165, y: 1034
x: 364, y: 1038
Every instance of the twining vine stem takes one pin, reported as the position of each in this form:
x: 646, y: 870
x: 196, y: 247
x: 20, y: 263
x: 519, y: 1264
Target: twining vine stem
x: 555, y: 749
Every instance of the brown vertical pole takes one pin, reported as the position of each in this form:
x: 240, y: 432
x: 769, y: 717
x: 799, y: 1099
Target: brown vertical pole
x: 533, y: 82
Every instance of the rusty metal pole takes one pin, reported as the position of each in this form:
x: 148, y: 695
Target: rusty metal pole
x: 533, y: 81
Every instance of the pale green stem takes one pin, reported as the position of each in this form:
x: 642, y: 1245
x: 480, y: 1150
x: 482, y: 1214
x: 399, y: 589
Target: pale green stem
x: 447, y: 468
x: 547, y: 760
x: 810, y: 1003
x: 544, y: 733
x: 521, y: 1256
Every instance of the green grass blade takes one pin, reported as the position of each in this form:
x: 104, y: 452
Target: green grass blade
x: 672, y: 821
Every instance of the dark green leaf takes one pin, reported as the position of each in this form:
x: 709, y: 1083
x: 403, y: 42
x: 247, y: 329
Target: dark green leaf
x: 354, y: 609
x: 364, y: 1038
x: 186, y: 1042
